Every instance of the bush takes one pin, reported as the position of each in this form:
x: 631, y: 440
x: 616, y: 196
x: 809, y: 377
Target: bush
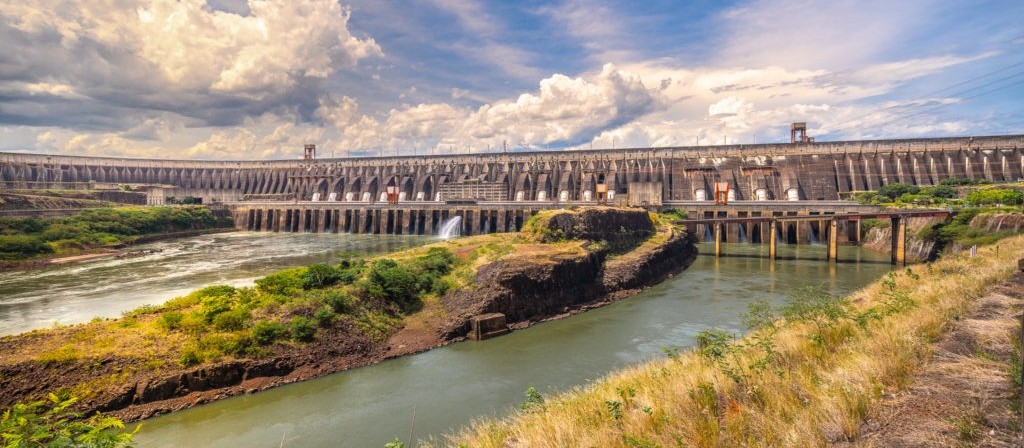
x: 213, y: 306
x: 893, y: 191
x: 325, y: 317
x: 302, y: 329
x: 51, y: 423
x: 320, y: 276
x: 194, y: 324
x: 22, y: 246
x: 940, y: 191
x: 389, y: 282
x: 171, y: 320
x: 232, y: 320
x: 287, y: 282
x: 337, y: 300
x: 190, y: 357
x: 995, y: 196
x: 265, y: 332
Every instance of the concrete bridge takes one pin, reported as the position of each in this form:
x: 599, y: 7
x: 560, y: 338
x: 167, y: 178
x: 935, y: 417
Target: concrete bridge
x: 828, y: 226
x: 493, y: 190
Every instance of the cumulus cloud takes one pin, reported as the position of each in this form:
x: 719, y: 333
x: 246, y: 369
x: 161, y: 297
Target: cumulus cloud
x: 180, y: 56
x: 563, y: 111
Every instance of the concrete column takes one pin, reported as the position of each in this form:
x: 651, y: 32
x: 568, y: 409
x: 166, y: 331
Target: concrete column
x: 718, y: 239
x: 899, y: 241
x: 321, y: 222
x: 833, y: 240
x: 356, y: 226
x: 773, y: 239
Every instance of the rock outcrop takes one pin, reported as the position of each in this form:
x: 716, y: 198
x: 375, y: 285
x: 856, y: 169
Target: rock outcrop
x: 528, y: 288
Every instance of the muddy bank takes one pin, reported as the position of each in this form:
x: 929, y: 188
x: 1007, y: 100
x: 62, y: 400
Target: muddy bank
x: 540, y: 282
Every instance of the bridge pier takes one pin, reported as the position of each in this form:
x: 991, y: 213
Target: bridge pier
x: 718, y: 239
x: 899, y: 241
x: 833, y: 240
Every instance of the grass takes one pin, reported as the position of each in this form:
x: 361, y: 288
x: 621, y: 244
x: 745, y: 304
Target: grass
x: 800, y: 381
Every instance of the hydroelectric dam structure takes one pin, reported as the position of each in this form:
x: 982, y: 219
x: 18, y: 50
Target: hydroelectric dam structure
x: 496, y: 192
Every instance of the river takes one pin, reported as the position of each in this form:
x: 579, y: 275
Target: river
x: 75, y: 293
x: 448, y: 387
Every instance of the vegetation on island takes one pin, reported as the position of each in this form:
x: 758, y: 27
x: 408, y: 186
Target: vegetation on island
x: 23, y: 238
x: 52, y: 423
x: 809, y: 373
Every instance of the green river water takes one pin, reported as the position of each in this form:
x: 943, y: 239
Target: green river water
x: 450, y: 386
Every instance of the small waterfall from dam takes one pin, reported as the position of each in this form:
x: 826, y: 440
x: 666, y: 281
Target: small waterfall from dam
x: 451, y: 227
x: 743, y: 234
x: 812, y: 235
x: 708, y: 236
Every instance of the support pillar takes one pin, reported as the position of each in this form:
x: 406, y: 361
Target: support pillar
x: 833, y: 240
x: 718, y: 239
x: 773, y: 239
x: 899, y: 241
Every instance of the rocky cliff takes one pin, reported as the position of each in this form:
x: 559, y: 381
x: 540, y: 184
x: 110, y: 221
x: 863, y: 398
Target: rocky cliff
x: 528, y: 288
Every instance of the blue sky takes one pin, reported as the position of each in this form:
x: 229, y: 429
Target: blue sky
x: 224, y: 79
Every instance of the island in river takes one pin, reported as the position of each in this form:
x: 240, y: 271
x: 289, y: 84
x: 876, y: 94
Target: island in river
x: 306, y: 322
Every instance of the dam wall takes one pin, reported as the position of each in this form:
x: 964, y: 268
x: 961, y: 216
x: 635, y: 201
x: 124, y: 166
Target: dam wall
x: 638, y: 176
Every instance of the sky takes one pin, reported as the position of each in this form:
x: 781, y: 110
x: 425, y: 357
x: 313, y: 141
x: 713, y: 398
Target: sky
x: 258, y: 79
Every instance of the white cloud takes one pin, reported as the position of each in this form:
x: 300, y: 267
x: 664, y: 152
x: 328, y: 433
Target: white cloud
x: 173, y: 47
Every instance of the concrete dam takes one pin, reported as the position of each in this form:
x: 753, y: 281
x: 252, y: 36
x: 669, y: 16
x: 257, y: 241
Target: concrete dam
x: 496, y: 192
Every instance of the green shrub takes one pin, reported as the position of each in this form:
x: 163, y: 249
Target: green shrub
x: 955, y: 181
x: 940, y: 191
x: 893, y: 191
x: 287, y: 282
x: 325, y: 317
x: 266, y: 332
x: 22, y: 246
x: 171, y: 320
x: 21, y: 225
x: 995, y: 196
x: 320, y: 276
x: 51, y: 423
x: 232, y: 320
x: 437, y: 260
x: 190, y: 357
x: 194, y: 324
x: 389, y: 282
x: 212, y: 306
x: 302, y: 329
x: 338, y: 300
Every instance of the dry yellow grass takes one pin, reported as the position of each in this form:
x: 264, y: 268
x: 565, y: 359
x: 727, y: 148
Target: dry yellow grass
x: 811, y: 394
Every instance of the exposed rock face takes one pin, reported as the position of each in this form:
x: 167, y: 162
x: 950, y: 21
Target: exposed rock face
x: 527, y: 289
x: 621, y: 229
x: 918, y: 250
x: 997, y: 222
x: 650, y: 266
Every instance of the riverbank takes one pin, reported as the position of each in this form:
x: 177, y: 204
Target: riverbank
x: 809, y: 375
x: 134, y: 365
x: 29, y: 243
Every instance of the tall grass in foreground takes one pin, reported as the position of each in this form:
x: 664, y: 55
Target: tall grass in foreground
x: 807, y: 377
